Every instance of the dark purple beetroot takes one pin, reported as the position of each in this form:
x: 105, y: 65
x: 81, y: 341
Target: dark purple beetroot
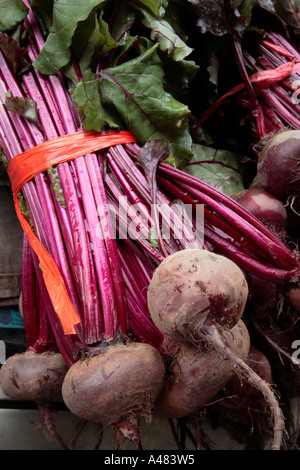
x: 278, y: 165
x: 239, y: 391
x: 36, y: 377
x: 265, y: 207
x: 33, y: 377
x: 198, y: 374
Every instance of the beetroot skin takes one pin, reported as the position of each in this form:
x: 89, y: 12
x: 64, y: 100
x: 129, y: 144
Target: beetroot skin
x: 198, y: 374
x: 33, y: 377
x: 278, y: 165
x: 238, y: 391
x: 116, y: 385
x: 266, y: 207
x: 193, y: 287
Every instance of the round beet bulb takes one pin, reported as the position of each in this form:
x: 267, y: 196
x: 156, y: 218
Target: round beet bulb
x: 194, y: 287
x: 116, y: 387
x: 196, y: 375
x: 278, y: 165
x: 265, y: 207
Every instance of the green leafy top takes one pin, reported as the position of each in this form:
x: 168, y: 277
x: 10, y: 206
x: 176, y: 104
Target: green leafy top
x: 135, y: 89
x: 12, y: 12
x: 127, y: 52
x: 79, y: 30
x: 220, y: 168
x: 134, y: 58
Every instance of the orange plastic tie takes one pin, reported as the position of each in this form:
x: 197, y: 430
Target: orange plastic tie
x: 261, y: 80
x: 24, y: 167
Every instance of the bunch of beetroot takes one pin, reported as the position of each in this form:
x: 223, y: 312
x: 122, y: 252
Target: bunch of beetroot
x: 267, y: 99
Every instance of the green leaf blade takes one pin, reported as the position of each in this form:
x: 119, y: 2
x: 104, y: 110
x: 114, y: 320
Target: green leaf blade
x: 163, y: 33
x: 87, y: 99
x: 12, y: 12
x: 56, y: 52
x: 136, y: 90
x: 220, y: 168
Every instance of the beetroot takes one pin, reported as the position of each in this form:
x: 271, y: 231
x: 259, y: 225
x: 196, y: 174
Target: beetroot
x: 238, y: 391
x: 194, y: 297
x: 243, y: 408
x: 196, y: 375
x: 246, y: 373
x: 116, y: 387
x: 195, y: 287
x: 278, y: 165
x: 263, y: 295
x: 266, y: 207
x: 35, y: 377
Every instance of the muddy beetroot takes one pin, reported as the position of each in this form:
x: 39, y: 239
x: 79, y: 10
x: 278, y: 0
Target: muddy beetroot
x: 36, y: 377
x: 116, y: 387
x: 278, y: 166
x: 195, y: 287
x: 33, y: 377
x: 196, y: 375
x: 195, y: 297
x: 266, y: 207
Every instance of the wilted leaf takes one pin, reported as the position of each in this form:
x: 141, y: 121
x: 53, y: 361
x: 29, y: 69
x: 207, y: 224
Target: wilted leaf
x: 149, y: 157
x: 12, y: 51
x: 25, y: 107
